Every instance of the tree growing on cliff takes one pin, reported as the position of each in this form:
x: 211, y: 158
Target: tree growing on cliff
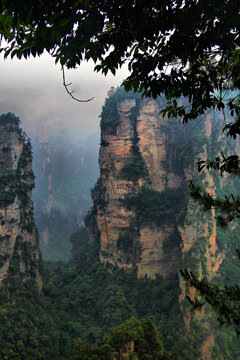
x: 177, y: 48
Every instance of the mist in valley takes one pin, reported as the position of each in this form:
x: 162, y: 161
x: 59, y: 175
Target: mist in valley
x: 65, y: 137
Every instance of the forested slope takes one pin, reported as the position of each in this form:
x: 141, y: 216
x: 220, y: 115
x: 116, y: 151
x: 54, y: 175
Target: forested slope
x: 101, y: 286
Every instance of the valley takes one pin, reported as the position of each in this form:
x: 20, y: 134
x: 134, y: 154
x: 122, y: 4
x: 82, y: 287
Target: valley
x: 117, y: 261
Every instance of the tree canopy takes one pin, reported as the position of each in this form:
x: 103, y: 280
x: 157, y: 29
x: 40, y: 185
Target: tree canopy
x: 177, y: 48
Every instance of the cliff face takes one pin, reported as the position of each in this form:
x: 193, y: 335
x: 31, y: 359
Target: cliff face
x: 19, y: 256
x: 138, y: 163
x: 147, y: 222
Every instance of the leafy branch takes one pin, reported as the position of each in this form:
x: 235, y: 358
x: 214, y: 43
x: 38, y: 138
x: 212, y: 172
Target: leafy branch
x: 229, y: 207
x: 225, y: 301
x: 229, y: 164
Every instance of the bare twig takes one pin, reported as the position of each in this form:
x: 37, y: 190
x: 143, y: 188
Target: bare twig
x: 71, y: 92
x: 203, y: 117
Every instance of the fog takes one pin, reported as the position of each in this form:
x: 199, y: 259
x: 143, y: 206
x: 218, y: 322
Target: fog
x: 33, y: 90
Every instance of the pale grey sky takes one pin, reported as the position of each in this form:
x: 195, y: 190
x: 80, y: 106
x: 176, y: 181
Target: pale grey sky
x: 33, y: 90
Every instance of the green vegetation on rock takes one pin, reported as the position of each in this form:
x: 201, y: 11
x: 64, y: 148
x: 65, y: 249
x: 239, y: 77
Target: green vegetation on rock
x: 154, y: 207
x: 9, y: 118
x: 110, y: 115
x: 136, y: 169
x: 136, y: 339
x: 125, y: 240
x: 13, y: 183
x: 26, y: 329
x: 85, y: 299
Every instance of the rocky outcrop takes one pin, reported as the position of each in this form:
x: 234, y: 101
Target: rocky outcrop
x: 19, y: 256
x: 138, y: 159
x: 146, y: 221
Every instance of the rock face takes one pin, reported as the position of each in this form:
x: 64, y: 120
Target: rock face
x: 19, y: 256
x: 138, y: 161
x: 147, y: 222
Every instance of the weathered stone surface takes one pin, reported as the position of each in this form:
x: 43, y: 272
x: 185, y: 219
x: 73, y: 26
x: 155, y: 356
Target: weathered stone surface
x: 18, y: 238
x: 186, y: 238
x: 153, y: 256
x: 163, y: 148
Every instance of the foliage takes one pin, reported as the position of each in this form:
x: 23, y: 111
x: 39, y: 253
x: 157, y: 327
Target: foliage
x: 79, y: 247
x: 98, y: 194
x: 85, y: 299
x: 178, y: 50
x: 9, y: 118
x: 188, y: 49
x: 88, y: 300
x: 137, y: 168
x: 154, y: 207
x: 23, y: 262
x: 110, y: 115
x: 89, y: 219
x: 223, y: 299
x: 26, y: 330
x: 125, y: 240
x: 229, y: 207
x: 142, y: 334
x: 13, y: 183
x: 6, y: 196
x: 3, y: 258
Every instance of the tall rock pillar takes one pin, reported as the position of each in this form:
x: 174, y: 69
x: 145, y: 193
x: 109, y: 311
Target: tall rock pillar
x: 19, y: 255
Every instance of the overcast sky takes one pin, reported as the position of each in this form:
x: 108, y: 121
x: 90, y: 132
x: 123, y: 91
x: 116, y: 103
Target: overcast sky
x: 33, y: 90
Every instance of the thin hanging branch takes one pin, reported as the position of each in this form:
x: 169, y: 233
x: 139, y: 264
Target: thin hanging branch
x: 203, y: 117
x: 71, y: 92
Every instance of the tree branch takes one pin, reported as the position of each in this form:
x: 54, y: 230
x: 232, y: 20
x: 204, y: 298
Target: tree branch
x: 71, y: 92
